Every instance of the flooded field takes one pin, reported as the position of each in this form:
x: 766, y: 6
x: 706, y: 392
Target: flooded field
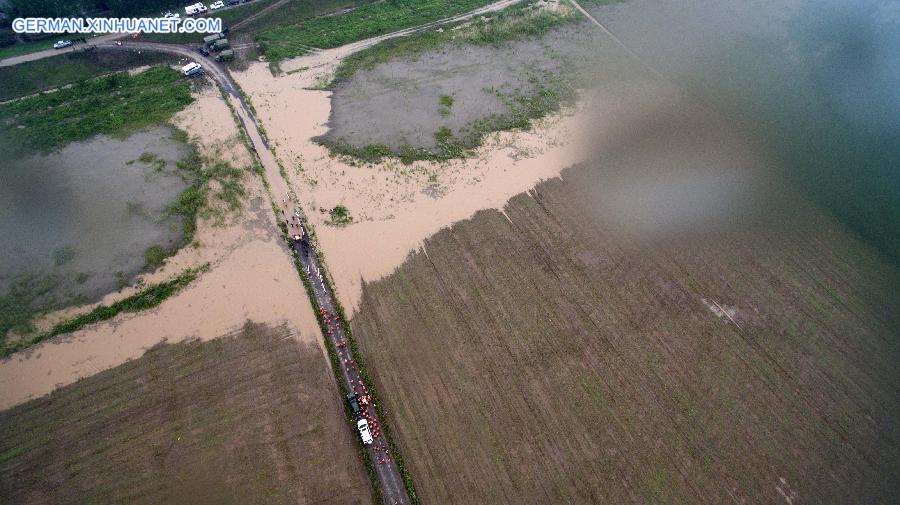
x: 569, y: 362
x: 252, y: 417
x: 403, y: 101
x: 76, y: 223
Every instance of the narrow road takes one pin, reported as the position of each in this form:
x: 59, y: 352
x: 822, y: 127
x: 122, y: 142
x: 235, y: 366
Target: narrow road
x: 49, y: 53
x: 384, y: 463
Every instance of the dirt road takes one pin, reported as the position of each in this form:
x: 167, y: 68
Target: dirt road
x: 49, y: 53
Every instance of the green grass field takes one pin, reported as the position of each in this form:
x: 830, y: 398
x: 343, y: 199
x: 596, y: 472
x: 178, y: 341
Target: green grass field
x: 25, y: 48
x: 114, y: 104
x: 50, y: 73
x: 365, y: 21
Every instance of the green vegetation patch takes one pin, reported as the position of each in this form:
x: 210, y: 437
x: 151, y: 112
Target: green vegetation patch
x: 366, y: 21
x: 50, y: 73
x: 216, y: 192
x: 116, y: 104
x: 340, y: 215
x: 446, y: 103
x: 148, y: 297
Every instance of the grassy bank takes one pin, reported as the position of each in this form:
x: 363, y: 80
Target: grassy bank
x: 116, y: 104
x: 50, y: 73
x: 216, y: 192
x: 366, y: 21
x: 146, y: 298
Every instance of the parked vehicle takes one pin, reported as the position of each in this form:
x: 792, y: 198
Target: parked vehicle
x: 363, y: 426
x: 353, y: 401
x: 59, y: 44
x: 220, y: 44
x: 192, y: 69
x: 226, y: 55
x: 197, y: 8
x: 232, y: 2
x: 202, y: 50
x: 173, y: 15
x: 216, y: 5
x: 209, y: 40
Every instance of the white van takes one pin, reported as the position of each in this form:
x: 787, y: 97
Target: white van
x: 192, y: 69
x: 363, y: 428
x: 197, y: 8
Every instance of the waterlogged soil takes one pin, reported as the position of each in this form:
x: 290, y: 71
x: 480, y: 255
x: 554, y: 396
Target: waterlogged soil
x: 75, y: 223
x: 398, y: 103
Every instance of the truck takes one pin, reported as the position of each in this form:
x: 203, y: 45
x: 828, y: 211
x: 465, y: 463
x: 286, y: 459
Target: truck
x: 209, y: 40
x: 220, y: 45
x: 353, y: 402
x: 226, y: 55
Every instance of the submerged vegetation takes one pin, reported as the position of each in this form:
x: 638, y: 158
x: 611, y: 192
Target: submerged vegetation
x: 547, y: 91
x: 340, y: 215
x: 146, y: 298
x: 368, y: 20
x: 116, y: 104
x: 551, y: 94
x: 216, y: 192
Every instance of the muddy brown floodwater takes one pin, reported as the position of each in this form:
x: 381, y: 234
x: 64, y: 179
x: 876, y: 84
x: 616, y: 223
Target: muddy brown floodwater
x: 251, y: 277
x: 396, y: 206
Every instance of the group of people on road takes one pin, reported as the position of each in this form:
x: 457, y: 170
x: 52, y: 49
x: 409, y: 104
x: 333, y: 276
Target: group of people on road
x: 332, y: 323
x: 293, y: 218
x: 345, y: 357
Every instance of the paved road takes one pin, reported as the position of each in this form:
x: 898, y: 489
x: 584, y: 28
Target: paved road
x: 392, y: 488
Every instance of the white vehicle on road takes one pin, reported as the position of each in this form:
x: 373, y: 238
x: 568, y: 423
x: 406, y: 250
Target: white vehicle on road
x: 172, y: 15
x: 216, y: 5
x: 59, y: 44
x: 192, y: 69
x: 363, y: 426
x: 197, y: 8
